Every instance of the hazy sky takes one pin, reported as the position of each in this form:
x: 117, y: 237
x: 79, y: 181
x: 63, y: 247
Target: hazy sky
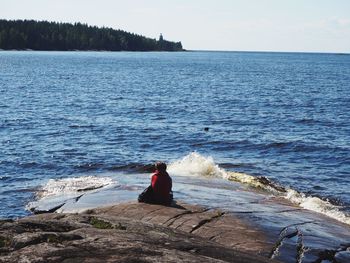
x: 259, y: 25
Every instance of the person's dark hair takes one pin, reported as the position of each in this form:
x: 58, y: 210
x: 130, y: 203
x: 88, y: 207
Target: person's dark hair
x: 160, y: 166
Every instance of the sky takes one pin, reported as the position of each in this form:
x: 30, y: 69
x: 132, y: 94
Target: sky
x: 237, y: 25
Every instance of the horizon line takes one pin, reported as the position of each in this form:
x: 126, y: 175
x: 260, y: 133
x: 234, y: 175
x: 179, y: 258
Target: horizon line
x: 186, y: 50
x: 189, y: 50
x: 269, y: 51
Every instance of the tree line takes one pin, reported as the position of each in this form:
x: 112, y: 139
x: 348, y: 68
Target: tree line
x: 44, y: 35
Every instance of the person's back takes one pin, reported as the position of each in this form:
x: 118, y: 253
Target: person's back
x: 159, y: 192
x: 162, y: 184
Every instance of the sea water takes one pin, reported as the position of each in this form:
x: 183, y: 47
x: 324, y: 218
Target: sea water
x: 82, y: 120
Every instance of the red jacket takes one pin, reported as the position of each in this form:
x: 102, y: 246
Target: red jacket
x: 161, y: 184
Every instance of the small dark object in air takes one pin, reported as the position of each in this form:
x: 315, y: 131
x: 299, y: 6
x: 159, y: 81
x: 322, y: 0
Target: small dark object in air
x: 206, y: 129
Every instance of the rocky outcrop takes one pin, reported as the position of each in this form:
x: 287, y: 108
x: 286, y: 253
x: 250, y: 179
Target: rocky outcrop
x: 211, y: 224
x: 285, y: 233
x: 136, y: 232
x: 123, y: 233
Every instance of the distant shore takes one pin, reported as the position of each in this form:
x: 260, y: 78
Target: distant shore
x: 77, y: 50
x: 45, y: 35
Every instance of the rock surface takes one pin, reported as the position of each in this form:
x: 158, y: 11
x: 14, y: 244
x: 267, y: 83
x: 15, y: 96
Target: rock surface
x: 132, y: 233
x: 285, y: 233
x: 255, y: 222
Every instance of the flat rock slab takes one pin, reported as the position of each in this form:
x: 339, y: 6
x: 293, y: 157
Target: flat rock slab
x: 105, y: 236
x: 231, y: 215
x: 212, y: 224
x: 138, y: 232
x: 277, y: 231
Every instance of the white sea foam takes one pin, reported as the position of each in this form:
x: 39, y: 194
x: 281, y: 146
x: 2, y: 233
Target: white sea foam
x: 318, y: 205
x: 195, y: 164
x: 251, y: 181
x: 58, y: 191
x: 308, y: 202
x: 73, y: 186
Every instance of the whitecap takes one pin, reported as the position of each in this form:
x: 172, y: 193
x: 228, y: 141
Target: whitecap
x: 318, y: 205
x: 73, y: 185
x: 197, y: 165
x: 57, y: 191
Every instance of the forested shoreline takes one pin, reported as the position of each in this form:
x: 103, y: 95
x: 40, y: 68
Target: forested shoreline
x: 44, y: 35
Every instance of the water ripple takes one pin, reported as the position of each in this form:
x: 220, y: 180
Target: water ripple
x: 282, y: 116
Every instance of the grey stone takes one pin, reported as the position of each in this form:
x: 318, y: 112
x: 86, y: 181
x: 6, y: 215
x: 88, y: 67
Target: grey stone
x: 116, y: 234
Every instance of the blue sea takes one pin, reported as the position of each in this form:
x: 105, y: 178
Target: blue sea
x: 281, y: 118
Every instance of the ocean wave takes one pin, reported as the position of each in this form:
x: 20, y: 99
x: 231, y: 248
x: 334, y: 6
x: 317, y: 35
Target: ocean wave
x: 89, y: 166
x: 133, y: 167
x: 318, y: 205
x: 73, y: 186
x: 286, y: 146
x: 81, y: 126
x: 195, y: 164
x: 261, y: 182
x: 58, y: 191
x: 308, y: 202
x: 4, y: 178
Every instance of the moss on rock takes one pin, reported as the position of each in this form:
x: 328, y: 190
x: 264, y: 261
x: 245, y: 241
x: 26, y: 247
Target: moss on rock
x: 99, y: 223
x: 4, y: 242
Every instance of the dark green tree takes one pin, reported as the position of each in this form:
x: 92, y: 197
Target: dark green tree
x: 43, y: 35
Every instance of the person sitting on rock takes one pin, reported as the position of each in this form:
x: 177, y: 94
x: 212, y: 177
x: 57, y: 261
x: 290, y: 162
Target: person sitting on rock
x: 159, y: 192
